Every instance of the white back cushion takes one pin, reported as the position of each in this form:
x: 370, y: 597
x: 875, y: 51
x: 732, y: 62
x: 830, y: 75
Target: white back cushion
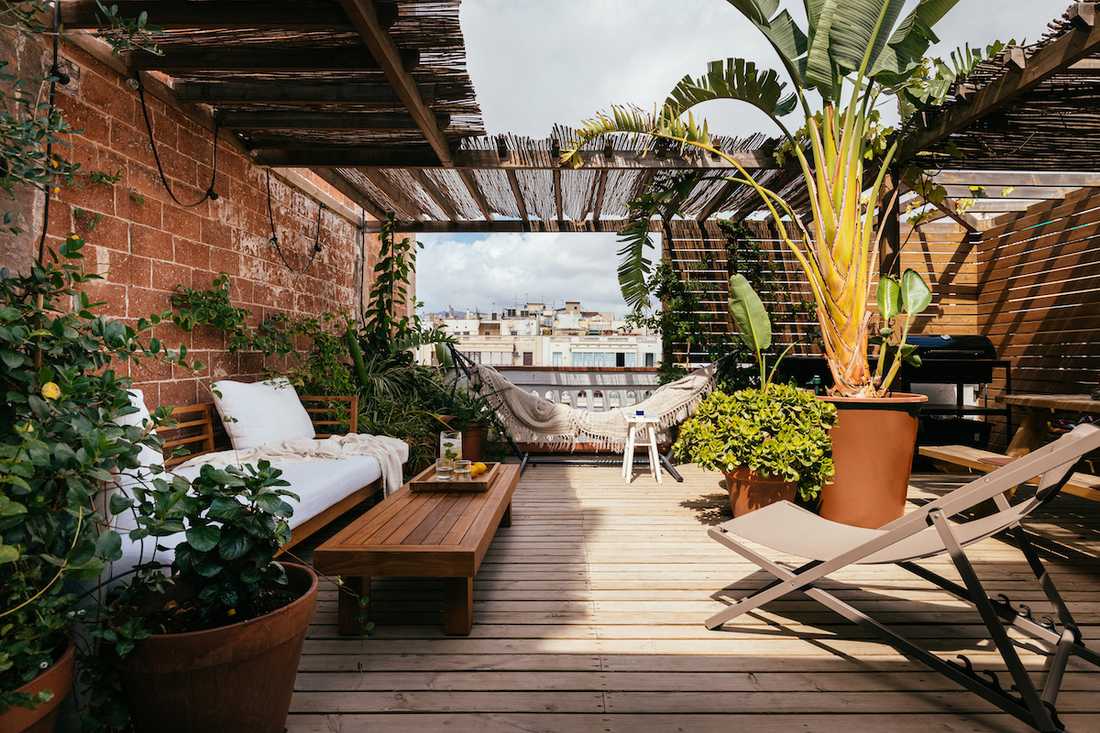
x: 261, y: 413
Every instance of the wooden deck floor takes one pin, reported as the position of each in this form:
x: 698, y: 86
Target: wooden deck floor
x: 589, y: 617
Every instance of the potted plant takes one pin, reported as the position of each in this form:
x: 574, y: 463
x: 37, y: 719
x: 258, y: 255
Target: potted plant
x: 848, y: 55
x: 226, y: 625
x: 58, y: 442
x: 772, y: 441
x: 471, y: 413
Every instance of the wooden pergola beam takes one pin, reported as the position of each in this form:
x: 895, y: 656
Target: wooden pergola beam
x: 558, y: 208
x: 260, y: 14
x: 475, y: 193
x: 176, y: 60
x: 440, y: 199
x: 517, y: 193
x: 294, y: 93
x: 601, y: 190
x: 505, y: 226
x: 364, y: 16
x: 322, y: 121
x: 1017, y: 178
x: 333, y: 178
x: 388, y: 157
x: 1072, y: 46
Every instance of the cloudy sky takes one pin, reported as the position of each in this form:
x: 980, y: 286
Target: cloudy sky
x: 535, y: 63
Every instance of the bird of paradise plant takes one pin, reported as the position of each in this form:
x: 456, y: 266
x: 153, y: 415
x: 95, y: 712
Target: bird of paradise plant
x: 851, y: 53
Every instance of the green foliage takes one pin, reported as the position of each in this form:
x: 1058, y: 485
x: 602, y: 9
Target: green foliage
x: 933, y: 78
x: 212, y: 307
x: 105, y: 179
x: 87, y: 220
x: 58, y: 445
x: 748, y: 312
x: 235, y: 521
x: 782, y: 432
x: 664, y: 198
x: 899, y: 302
x: 324, y: 368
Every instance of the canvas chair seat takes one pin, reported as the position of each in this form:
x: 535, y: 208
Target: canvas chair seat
x: 792, y: 530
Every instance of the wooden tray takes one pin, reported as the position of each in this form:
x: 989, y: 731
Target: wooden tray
x: 426, y: 481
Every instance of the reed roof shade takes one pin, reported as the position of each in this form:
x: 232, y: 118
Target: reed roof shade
x: 512, y: 183
x: 312, y: 73
x: 1031, y: 108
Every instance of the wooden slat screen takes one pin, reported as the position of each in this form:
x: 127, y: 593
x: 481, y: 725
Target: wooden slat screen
x: 1040, y: 295
x: 941, y: 253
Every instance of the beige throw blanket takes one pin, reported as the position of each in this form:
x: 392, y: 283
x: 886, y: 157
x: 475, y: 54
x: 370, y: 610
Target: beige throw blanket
x: 532, y: 419
x: 391, y: 453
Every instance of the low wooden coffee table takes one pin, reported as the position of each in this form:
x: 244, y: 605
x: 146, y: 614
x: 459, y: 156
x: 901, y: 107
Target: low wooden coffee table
x: 432, y: 534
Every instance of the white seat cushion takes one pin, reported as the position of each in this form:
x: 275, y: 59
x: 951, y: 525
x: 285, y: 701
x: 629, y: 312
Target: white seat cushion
x: 318, y: 483
x: 261, y: 413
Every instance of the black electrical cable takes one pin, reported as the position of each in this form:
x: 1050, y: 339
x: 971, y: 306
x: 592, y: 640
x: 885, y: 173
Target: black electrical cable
x: 56, y: 77
x: 274, y: 241
x: 210, y: 193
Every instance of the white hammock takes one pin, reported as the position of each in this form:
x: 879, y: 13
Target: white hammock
x: 533, y: 419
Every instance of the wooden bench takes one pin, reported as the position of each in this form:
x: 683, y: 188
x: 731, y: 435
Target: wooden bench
x: 192, y: 435
x: 1082, y: 485
x: 434, y: 534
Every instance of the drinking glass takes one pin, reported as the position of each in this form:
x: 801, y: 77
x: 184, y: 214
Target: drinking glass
x: 444, y: 469
x: 462, y: 470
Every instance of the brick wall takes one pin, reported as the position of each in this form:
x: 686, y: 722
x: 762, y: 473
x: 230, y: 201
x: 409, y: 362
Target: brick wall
x: 145, y: 245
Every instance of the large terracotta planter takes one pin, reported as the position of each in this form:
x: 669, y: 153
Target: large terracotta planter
x: 58, y: 679
x: 234, y: 678
x: 873, y: 444
x: 750, y: 491
x: 473, y: 443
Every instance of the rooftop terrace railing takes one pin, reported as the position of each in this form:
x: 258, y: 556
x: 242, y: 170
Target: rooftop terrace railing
x: 589, y: 388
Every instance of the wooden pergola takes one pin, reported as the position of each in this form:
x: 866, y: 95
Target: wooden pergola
x: 1020, y: 128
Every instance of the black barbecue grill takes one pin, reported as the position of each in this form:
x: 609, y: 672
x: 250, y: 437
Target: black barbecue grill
x: 957, y: 361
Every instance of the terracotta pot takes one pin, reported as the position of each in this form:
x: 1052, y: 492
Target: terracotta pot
x: 473, y: 443
x: 873, y: 444
x: 750, y: 491
x: 58, y: 679
x: 233, y: 678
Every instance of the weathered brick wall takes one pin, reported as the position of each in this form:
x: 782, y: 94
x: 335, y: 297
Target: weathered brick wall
x: 144, y: 245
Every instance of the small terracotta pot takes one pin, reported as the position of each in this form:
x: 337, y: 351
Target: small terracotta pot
x: 58, y: 679
x: 233, y: 678
x: 750, y: 491
x: 873, y: 444
x: 473, y: 443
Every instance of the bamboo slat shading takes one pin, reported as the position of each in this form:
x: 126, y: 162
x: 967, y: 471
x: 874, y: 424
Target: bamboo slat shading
x: 299, y: 75
x: 524, y: 185
x: 1032, y: 107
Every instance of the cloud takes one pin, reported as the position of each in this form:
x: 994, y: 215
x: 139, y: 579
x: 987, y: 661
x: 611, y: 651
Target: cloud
x: 495, y: 271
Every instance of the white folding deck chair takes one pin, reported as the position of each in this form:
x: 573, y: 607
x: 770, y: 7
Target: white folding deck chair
x: 927, y: 532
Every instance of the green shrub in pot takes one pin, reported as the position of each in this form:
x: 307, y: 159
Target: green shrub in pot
x: 781, y: 432
x: 776, y: 431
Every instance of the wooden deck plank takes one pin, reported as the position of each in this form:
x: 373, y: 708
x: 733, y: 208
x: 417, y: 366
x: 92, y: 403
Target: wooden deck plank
x: 589, y: 617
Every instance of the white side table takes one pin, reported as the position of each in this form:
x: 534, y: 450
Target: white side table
x: 647, y: 426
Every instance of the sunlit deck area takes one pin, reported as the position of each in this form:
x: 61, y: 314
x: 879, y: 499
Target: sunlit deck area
x: 589, y: 617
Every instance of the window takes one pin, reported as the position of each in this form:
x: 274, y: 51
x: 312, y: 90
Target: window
x: 528, y: 358
x: 620, y: 359
x: 558, y: 359
x: 650, y: 359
